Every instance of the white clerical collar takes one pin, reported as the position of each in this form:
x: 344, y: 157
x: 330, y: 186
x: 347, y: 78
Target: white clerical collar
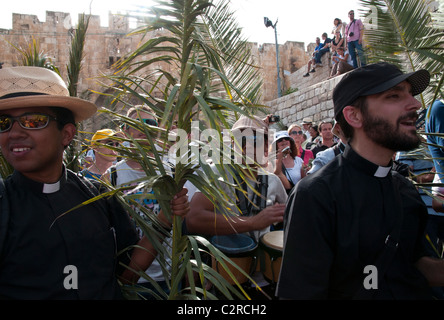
x: 382, y: 172
x: 51, y: 187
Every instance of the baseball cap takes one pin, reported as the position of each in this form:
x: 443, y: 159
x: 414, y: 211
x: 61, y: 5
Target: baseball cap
x: 372, y: 79
x: 102, y: 134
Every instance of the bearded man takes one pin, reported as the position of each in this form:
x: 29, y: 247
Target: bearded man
x: 359, y: 235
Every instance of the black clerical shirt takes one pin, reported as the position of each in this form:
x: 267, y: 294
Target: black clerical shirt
x: 337, y: 221
x: 42, y: 247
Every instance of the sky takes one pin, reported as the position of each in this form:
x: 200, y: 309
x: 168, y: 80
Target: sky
x: 297, y: 20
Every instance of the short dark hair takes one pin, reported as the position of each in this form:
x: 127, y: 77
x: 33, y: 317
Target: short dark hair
x: 63, y: 116
x: 322, y: 123
x: 338, y: 20
x: 361, y: 104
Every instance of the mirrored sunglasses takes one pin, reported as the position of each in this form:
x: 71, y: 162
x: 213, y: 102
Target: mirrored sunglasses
x: 31, y: 121
x: 151, y: 122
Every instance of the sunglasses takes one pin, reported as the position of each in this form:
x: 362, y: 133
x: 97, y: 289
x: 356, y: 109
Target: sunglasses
x: 151, y: 122
x: 111, y: 143
x: 31, y: 121
x: 296, y: 132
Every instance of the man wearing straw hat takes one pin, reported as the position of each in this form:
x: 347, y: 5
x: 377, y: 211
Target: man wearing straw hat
x: 48, y: 250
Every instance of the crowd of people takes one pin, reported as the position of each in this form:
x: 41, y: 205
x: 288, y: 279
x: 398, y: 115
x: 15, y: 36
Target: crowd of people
x: 345, y: 46
x: 331, y: 189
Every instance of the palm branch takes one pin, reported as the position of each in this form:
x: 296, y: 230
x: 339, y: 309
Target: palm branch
x: 74, y: 67
x: 213, y: 82
x: 407, y: 34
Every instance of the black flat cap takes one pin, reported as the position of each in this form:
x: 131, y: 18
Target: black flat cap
x: 372, y: 79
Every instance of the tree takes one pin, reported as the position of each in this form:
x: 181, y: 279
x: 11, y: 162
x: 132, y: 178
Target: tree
x: 409, y: 35
x: 215, y: 82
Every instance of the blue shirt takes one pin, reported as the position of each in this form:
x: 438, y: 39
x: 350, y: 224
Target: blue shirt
x: 418, y: 166
x: 435, y: 124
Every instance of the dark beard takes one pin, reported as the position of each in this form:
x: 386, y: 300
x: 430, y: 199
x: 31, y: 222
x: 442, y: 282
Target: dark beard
x: 388, y: 136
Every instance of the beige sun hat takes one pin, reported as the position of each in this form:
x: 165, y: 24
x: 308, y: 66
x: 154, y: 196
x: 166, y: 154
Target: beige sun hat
x: 251, y: 122
x: 22, y: 87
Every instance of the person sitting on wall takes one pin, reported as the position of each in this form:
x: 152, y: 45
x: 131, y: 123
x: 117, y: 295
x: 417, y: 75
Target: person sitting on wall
x: 337, y: 42
x: 343, y: 63
x: 312, y: 60
x: 325, y: 48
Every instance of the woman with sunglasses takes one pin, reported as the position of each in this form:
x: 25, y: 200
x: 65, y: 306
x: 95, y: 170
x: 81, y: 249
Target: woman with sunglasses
x: 295, y: 132
x: 288, y: 166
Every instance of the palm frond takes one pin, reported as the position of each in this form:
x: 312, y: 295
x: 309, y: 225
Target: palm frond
x: 215, y: 81
x: 74, y: 67
x: 407, y: 34
x: 76, y: 54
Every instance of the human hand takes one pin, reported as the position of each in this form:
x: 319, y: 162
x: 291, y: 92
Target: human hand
x: 268, y: 216
x: 267, y: 119
x: 180, y: 205
x: 280, y: 155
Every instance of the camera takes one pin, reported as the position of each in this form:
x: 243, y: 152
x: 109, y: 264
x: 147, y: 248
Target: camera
x: 274, y: 119
x: 351, y: 34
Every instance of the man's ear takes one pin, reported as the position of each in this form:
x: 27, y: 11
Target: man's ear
x: 68, y: 133
x: 353, y: 116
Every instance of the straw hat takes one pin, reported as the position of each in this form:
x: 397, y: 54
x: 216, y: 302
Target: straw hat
x: 307, y: 120
x: 22, y: 87
x: 252, y: 122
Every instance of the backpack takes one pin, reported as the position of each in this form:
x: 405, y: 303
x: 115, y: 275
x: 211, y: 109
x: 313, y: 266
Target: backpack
x: 261, y: 201
x: 113, y: 175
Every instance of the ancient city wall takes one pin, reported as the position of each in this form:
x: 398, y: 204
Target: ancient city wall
x: 313, y: 99
x: 106, y: 45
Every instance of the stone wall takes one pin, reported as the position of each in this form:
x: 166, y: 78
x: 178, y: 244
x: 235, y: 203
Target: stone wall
x: 103, y: 47
x: 314, y: 101
x: 313, y: 98
x: 292, y: 57
x: 106, y: 45
x: 296, y: 79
